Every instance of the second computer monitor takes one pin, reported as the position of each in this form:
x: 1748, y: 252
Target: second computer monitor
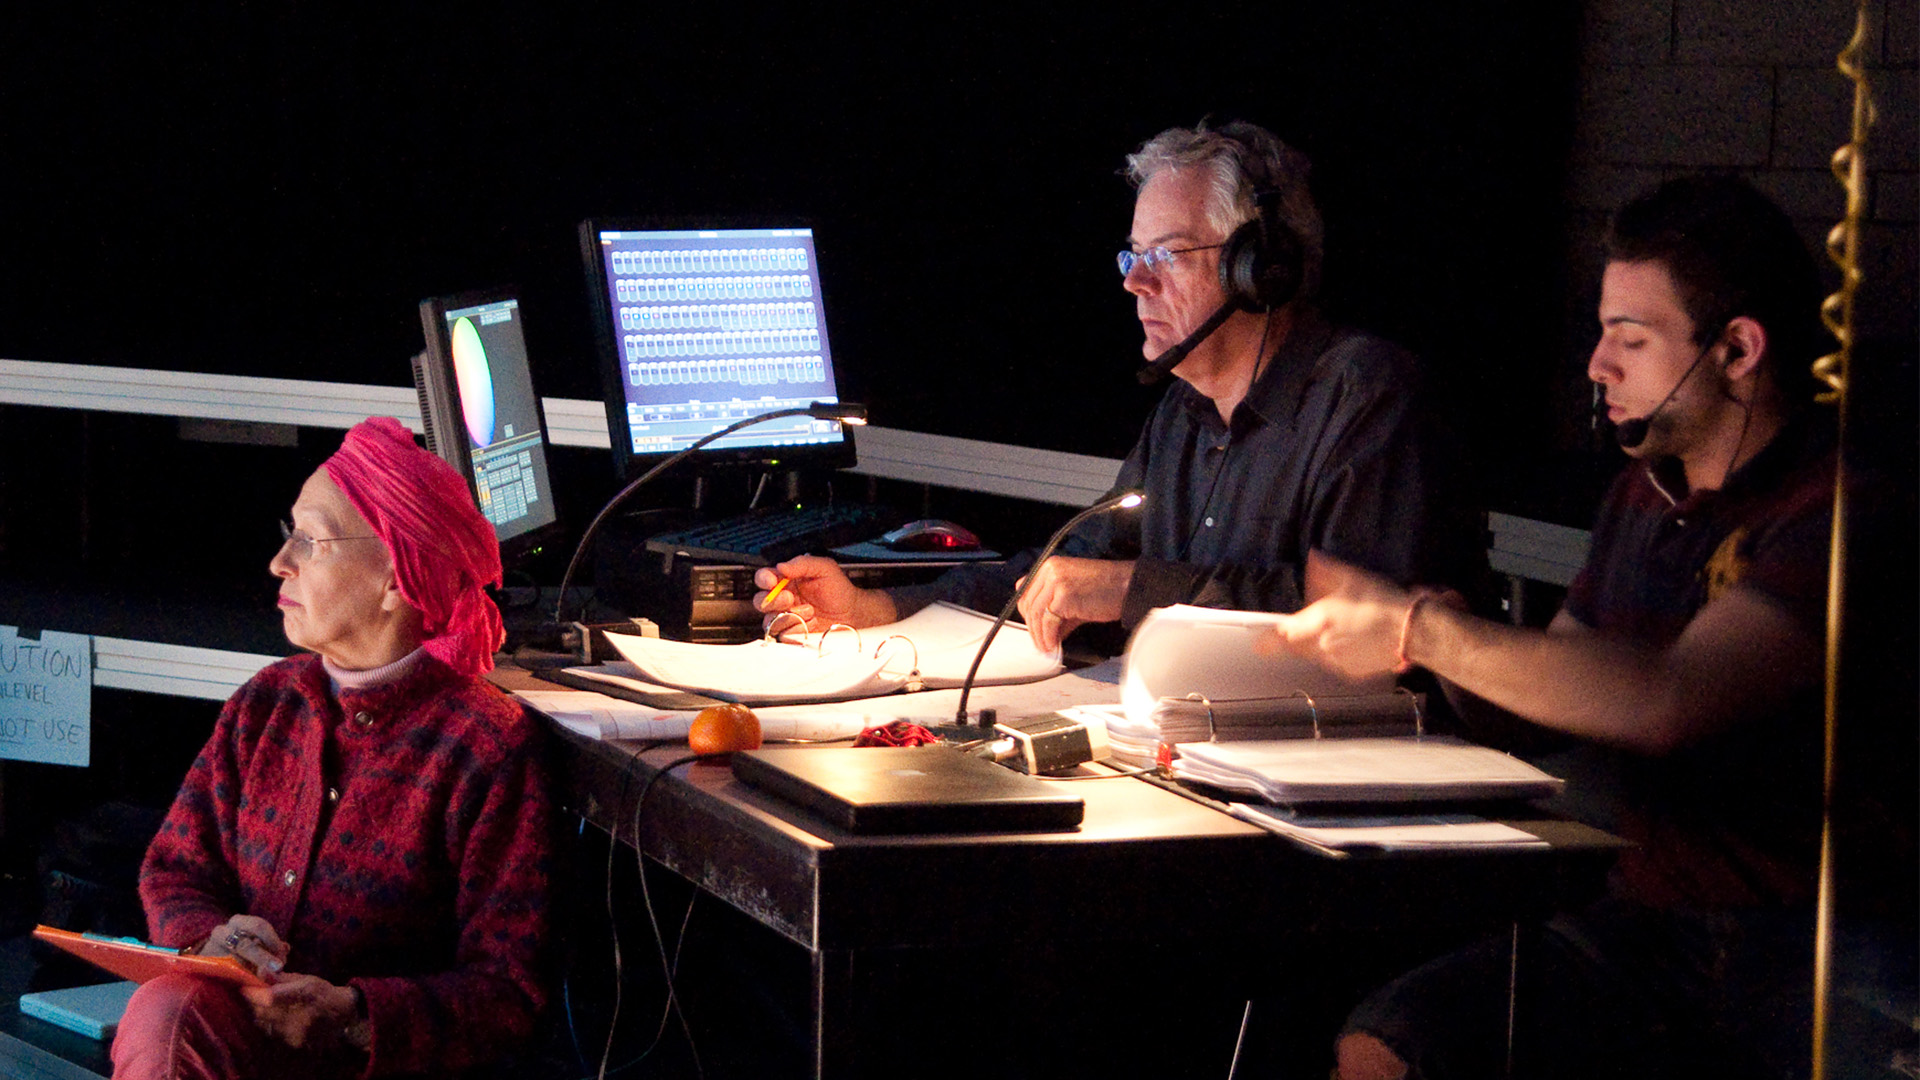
x: 482, y: 415
x: 702, y: 327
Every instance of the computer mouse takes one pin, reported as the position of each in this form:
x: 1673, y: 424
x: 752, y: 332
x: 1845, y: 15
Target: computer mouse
x: 930, y: 534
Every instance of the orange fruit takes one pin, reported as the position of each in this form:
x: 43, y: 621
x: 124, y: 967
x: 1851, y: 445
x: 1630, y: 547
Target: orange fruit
x: 722, y: 729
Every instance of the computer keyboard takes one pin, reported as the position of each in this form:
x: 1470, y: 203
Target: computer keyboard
x: 764, y: 537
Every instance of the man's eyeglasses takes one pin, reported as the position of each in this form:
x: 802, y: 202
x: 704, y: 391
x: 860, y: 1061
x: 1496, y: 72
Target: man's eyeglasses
x: 300, y: 547
x: 1155, y: 257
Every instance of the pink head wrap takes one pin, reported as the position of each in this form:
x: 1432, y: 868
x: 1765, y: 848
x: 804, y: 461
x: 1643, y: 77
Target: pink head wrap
x: 443, y: 549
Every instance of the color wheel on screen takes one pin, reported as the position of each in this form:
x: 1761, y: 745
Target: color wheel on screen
x: 475, y: 378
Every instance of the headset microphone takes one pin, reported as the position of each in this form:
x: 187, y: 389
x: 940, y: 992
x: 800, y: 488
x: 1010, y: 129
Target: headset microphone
x: 1629, y: 434
x: 1158, y: 367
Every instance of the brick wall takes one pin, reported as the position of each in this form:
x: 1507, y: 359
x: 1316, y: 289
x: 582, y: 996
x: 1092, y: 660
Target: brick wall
x: 1747, y: 86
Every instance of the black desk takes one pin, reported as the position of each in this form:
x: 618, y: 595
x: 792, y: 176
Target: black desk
x: 1144, y: 858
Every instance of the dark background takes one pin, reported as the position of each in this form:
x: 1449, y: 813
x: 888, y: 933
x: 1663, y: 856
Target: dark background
x: 269, y: 189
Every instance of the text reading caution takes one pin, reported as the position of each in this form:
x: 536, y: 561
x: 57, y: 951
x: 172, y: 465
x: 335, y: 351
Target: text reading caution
x: 46, y: 697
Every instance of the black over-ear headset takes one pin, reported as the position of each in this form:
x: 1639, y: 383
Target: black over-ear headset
x: 1264, y: 260
x: 1262, y: 263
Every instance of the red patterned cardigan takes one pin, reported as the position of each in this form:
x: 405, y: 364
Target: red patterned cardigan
x: 398, y: 838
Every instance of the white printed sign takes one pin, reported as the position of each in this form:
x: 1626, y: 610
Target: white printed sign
x: 46, y: 697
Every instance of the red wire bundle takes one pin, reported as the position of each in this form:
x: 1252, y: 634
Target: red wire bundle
x: 898, y: 733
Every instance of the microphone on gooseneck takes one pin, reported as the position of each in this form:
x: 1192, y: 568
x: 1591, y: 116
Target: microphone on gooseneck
x: 1123, y: 501
x: 1159, y: 366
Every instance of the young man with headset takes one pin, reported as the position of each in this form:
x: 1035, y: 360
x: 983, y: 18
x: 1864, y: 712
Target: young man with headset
x: 1283, y: 434
x: 1689, y: 654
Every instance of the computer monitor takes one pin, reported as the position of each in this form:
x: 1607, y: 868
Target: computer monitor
x: 702, y: 327
x: 482, y: 416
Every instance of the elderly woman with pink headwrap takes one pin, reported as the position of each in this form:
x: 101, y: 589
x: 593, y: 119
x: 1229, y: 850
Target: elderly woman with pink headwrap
x: 369, y: 824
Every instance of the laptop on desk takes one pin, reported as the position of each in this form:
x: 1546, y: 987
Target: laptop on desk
x: 919, y: 789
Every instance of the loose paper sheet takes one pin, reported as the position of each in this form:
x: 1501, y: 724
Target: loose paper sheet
x: 1388, y: 832
x: 939, y: 642
x: 598, y: 716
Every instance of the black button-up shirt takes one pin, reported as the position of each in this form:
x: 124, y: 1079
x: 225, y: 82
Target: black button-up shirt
x: 1330, y: 449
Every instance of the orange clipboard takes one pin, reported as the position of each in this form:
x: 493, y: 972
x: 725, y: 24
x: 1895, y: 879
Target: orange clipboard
x: 131, y: 958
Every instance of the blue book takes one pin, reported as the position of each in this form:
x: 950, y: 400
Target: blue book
x: 93, y: 1011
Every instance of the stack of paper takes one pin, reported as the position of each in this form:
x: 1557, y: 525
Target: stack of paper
x: 1387, y: 832
x: 1411, y: 769
x: 1193, y: 719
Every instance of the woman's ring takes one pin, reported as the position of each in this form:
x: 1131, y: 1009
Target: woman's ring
x: 233, y: 941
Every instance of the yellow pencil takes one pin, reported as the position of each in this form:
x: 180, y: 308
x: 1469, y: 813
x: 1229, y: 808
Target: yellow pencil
x: 777, y: 587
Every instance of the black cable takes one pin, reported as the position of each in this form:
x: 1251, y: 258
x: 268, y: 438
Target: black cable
x: 566, y: 994
x: 1746, y: 421
x: 613, y: 928
x: 845, y: 413
x: 670, y: 966
x: 646, y: 897
x: 579, y: 1052
x: 660, y: 1029
x: 673, y: 972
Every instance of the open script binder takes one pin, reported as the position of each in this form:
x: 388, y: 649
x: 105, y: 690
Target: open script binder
x: 929, y: 649
x: 131, y: 958
x: 1191, y: 674
x: 1282, y: 728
